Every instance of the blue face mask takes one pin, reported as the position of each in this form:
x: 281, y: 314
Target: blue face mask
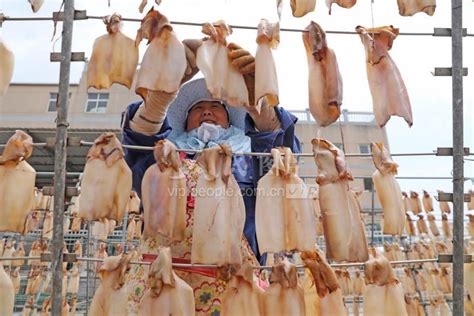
x: 210, y: 135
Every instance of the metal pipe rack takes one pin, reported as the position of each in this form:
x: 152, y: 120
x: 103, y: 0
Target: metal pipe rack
x: 458, y: 152
x: 61, y: 156
x: 197, y: 265
x: 456, y: 33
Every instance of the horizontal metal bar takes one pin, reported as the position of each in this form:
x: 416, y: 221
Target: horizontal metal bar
x: 34, y: 145
x: 51, y: 173
x: 245, y: 27
x: 360, y: 299
x: 447, y: 72
x: 397, y: 177
x: 194, y: 151
x: 56, y: 16
x: 70, y: 257
x: 74, y: 141
x: 211, y: 266
x: 393, y: 155
x: 400, y: 262
x: 447, y: 258
x: 346, y: 265
x: 77, y: 174
x: 70, y: 191
x: 50, y: 142
x: 429, y: 178
x: 19, y: 258
x: 81, y: 15
x: 446, y: 31
x: 4, y: 18
x: 75, y: 56
x: 441, y: 151
x: 448, y: 197
x: 448, y: 151
x: 78, y: 15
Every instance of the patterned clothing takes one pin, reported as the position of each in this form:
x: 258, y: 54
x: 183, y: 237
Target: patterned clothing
x: 207, y: 288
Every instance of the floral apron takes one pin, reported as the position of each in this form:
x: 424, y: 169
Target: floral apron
x: 208, y: 290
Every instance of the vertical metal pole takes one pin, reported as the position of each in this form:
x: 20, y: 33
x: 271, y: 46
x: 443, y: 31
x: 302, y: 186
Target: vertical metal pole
x: 372, y: 241
x: 60, y: 157
x: 124, y: 229
x: 458, y: 158
x: 88, y: 267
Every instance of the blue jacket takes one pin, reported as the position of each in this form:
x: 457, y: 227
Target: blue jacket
x: 247, y: 170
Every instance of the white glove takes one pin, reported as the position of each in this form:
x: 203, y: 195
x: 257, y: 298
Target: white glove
x: 266, y: 120
x: 150, y: 116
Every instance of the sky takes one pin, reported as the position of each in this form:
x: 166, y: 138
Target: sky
x: 416, y: 57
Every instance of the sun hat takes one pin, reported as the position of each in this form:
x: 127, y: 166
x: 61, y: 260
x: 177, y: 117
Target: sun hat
x: 194, y: 92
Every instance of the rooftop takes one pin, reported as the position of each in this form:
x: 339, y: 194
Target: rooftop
x: 360, y: 118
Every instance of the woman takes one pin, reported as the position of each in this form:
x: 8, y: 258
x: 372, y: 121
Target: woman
x: 192, y: 119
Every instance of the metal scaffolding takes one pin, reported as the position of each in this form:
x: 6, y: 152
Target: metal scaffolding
x: 458, y: 156
x: 458, y: 152
x: 61, y: 156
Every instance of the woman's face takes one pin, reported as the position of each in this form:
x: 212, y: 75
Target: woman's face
x: 212, y: 112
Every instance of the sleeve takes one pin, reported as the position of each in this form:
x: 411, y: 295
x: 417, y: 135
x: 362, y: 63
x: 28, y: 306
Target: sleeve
x: 139, y: 160
x: 265, y: 141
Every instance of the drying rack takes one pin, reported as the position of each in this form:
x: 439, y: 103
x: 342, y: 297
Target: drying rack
x: 457, y: 151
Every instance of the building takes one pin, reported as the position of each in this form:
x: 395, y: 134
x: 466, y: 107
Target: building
x: 31, y: 107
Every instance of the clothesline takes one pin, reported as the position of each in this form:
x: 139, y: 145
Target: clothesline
x: 260, y: 154
x: 76, y: 174
x: 4, y: 18
x: 34, y: 145
x: 246, y: 27
x: 19, y: 258
x: 211, y: 266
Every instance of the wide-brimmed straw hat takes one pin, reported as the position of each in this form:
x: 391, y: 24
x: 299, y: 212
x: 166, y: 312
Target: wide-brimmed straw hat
x: 189, y: 95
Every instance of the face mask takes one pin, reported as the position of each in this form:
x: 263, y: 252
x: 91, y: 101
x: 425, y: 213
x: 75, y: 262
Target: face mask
x: 209, y: 135
x: 207, y: 132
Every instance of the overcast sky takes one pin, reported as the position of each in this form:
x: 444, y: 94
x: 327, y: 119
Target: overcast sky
x: 415, y: 56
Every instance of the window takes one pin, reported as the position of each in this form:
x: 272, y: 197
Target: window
x: 368, y: 184
x: 53, y: 97
x: 97, y: 102
x: 339, y: 145
x: 364, y: 148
